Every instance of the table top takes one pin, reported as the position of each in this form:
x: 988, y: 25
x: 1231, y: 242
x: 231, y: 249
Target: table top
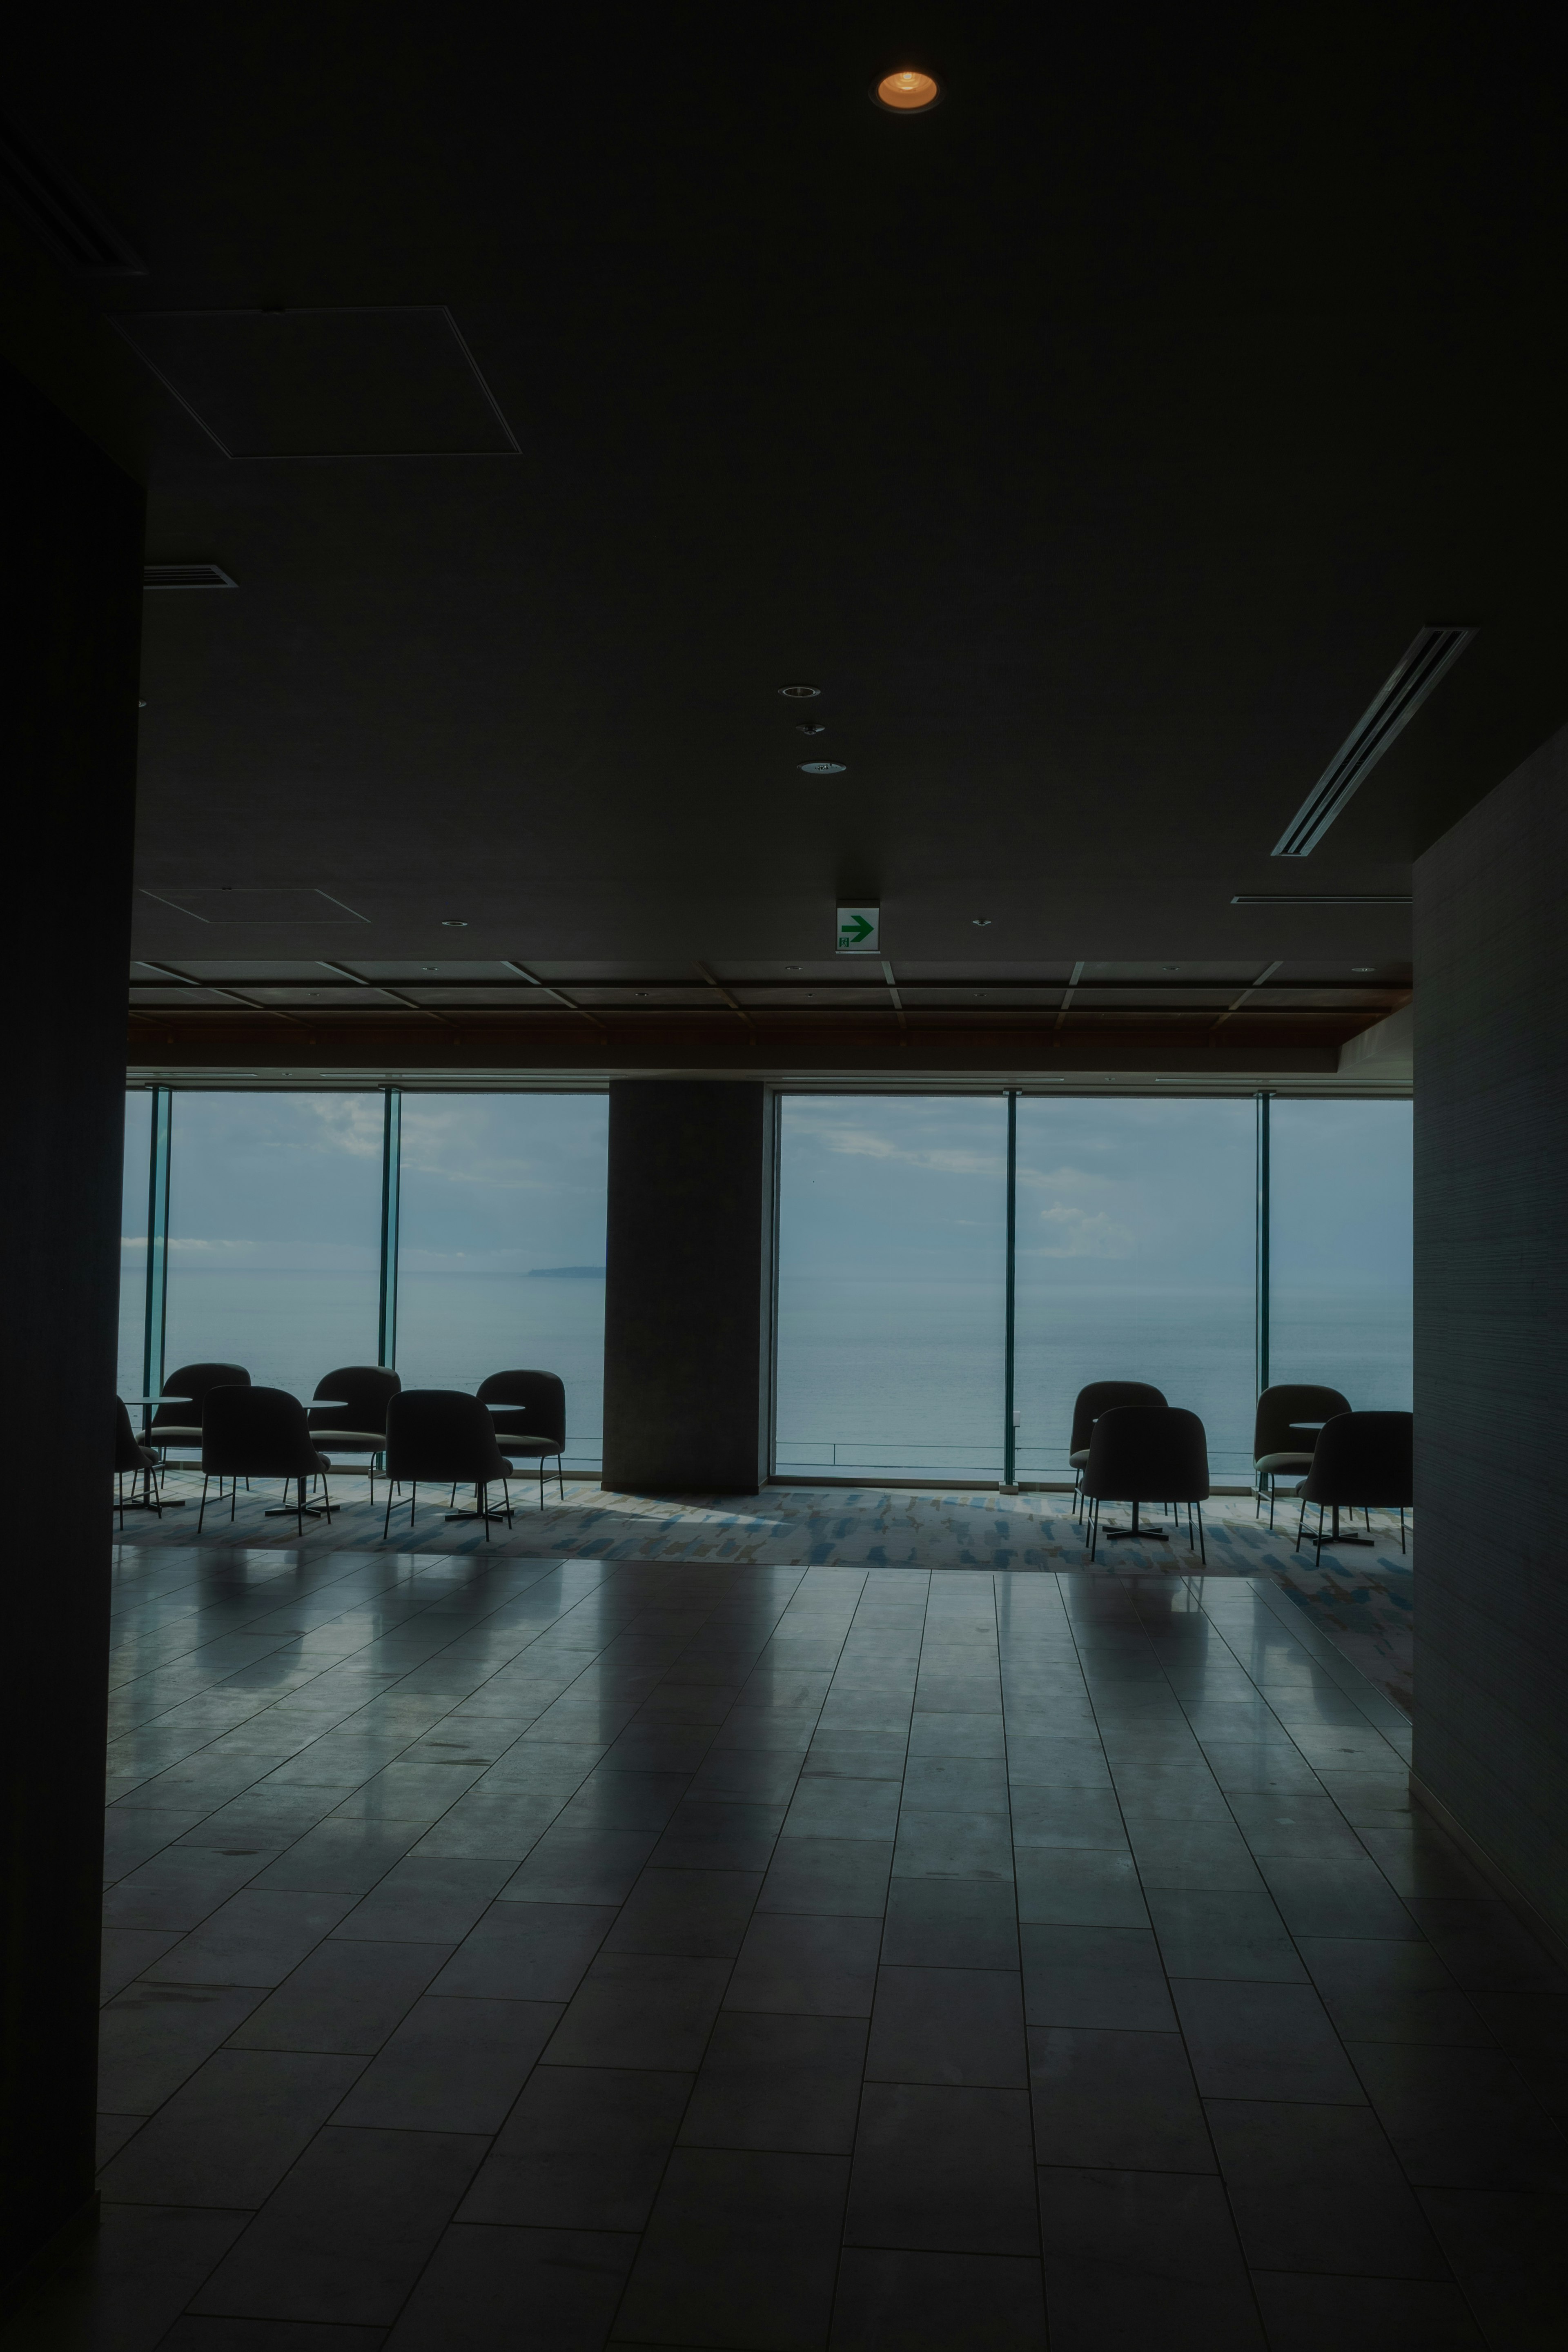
x: 157, y: 1400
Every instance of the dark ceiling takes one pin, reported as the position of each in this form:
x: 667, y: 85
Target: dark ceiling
x: 1096, y: 444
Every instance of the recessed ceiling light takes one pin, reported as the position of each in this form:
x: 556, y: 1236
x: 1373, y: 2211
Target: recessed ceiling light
x: 799, y: 693
x: 822, y: 767
x: 981, y: 922
x: 429, y: 967
x: 453, y: 923
x: 907, y: 91
x: 806, y: 729
x: 642, y: 991
x: 1363, y: 966
x: 792, y: 967
x: 1170, y: 967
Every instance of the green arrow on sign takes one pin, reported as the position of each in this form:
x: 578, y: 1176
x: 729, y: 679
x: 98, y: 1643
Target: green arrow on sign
x: 857, y: 930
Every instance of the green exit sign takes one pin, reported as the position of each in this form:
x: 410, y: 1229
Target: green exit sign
x: 859, y: 931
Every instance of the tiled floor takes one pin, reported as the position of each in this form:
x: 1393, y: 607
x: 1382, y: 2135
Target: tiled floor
x: 560, y: 1953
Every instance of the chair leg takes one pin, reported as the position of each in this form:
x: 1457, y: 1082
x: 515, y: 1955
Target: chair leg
x: 201, y: 1514
x: 542, y: 1482
x: 386, y: 1524
x: 1401, y: 1526
x: 1202, y: 1546
x: 482, y: 1504
x: 1300, y: 1523
x: 233, y: 1491
x: 1273, y: 1491
x: 1093, y: 1529
x: 1319, y: 1560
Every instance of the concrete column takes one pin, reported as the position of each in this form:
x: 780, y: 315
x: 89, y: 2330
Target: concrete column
x: 1491, y: 1331
x: 689, y: 1287
x: 68, y: 725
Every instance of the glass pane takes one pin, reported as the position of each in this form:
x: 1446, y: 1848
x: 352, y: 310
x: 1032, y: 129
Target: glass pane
x: 1339, y: 1247
x: 275, y: 1234
x: 1136, y: 1246
x: 892, y: 1257
x: 501, y: 1247
x: 129, y: 1371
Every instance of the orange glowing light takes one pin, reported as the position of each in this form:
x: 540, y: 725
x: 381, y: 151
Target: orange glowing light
x: 908, y: 93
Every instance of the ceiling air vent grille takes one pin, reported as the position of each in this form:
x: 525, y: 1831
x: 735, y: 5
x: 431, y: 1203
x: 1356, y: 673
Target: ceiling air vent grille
x: 1396, y: 702
x: 186, y: 575
x: 67, y: 219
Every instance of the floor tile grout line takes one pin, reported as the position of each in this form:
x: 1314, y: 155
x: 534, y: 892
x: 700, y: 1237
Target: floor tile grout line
x: 327, y: 2124
x: 719, y: 2012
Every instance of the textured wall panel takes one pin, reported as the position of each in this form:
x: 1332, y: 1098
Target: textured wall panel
x: 1491, y: 1325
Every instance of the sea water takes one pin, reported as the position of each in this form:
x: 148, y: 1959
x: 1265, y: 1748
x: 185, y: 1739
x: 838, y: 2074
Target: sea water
x: 875, y: 1375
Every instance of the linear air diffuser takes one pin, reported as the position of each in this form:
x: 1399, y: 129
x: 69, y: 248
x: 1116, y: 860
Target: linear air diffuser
x: 1394, y: 704
x: 61, y: 213
x: 186, y: 575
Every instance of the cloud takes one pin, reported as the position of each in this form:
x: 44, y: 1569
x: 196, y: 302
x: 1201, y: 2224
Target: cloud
x: 1081, y: 1233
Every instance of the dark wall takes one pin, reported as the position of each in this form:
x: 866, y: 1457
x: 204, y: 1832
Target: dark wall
x: 67, y: 727
x: 688, y: 1338
x: 1491, y: 1326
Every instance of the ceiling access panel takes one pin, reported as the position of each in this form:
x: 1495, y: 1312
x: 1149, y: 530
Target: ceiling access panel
x: 321, y: 998
x: 610, y: 972
x: 170, y: 994
x: 391, y: 381
x: 803, y: 998
x: 469, y: 998
x: 698, y: 997
x: 253, y: 973
x: 241, y: 904
x: 922, y: 998
x: 1153, y: 1000
x: 805, y: 971
x: 975, y: 973
x: 430, y: 971
x: 1160, y: 976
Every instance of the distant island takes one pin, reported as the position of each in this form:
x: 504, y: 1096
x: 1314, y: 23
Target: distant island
x: 590, y: 1273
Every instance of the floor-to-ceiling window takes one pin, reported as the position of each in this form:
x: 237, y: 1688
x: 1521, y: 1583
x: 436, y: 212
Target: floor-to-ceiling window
x: 1139, y: 1254
x: 1135, y: 1254
x: 891, y: 1285
x: 500, y: 1254
x: 273, y: 1233
x: 1339, y: 1248
x: 134, y: 1235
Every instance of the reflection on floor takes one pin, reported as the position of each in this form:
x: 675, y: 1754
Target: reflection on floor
x: 559, y: 1953
x: 1360, y: 1598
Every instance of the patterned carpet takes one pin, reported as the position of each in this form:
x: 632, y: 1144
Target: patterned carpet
x: 1360, y: 1599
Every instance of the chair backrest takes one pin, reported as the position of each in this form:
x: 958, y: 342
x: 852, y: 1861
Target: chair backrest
x: 249, y: 1433
x: 129, y: 1454
x: 194, y: 1380
x: 1148, y: 1454
x: 365, y: 1389
x: 541, y: 1400
x: 1281, y: 1411
x: 1106, y: 1396
x: 441, y: 1433
x: 1364, y: 1459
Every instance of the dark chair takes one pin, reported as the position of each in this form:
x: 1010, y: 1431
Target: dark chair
x: 1147, y: 1454
x: 359, y: 1425
x: 1364, y: 1460
x: 130, y: 1455
x: 248, y: 1433
x: 1101, y: 1396
x: 1281, y: 1447
x: 536, y: 1431
x: 444, y: 1437
x: 181, y: 1424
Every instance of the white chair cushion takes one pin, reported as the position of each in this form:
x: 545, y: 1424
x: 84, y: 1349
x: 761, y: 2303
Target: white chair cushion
x: 1279, y: 1463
